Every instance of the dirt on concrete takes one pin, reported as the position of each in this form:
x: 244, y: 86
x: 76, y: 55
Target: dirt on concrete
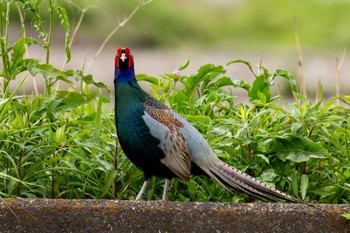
x: 50, y: 215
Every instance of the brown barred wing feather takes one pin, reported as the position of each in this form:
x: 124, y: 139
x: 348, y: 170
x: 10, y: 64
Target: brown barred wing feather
x: 164, y: 126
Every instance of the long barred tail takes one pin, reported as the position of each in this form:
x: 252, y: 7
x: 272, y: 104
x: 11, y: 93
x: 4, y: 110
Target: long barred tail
x: 232, y: 178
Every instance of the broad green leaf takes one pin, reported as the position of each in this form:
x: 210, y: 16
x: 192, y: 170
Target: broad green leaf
x: 298, y: 155
x: 269, y: 175
x: 71, y: 99
x: 261, y: 97
x: 298, y: 149
x: 288, y: 76
x: 47, y: 70
x: 222, y: 82
x: 263, y: 157
x: 88, y: 79
x: 259, y: 85
x: 258, y: 102
x: 199, y: 119
x: 241, y: 84
x: 205, y: 74
x: 304, y: 183
x: 243, y: 62
x: 147, y: 78
x: 17, y: 55
x: 295, y: 188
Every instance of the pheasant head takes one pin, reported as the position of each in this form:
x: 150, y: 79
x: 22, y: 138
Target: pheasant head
x: 124, y: 66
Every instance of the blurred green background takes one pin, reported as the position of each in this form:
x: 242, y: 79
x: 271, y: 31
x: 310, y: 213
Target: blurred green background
x: 210, y: 31
x: 321, y: 24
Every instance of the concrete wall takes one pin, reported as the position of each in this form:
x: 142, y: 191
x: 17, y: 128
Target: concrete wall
x: 47, y: 215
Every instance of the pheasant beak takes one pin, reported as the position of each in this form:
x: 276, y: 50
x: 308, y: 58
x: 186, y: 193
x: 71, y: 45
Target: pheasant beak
x: 123, y: 57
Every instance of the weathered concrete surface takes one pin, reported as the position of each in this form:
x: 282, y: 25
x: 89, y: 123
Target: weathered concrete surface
x: 47, y: 215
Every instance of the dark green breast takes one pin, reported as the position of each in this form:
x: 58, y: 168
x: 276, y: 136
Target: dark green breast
x: 134, y: 135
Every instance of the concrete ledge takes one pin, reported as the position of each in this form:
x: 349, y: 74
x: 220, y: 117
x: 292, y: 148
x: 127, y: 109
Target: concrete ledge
x: 47, y: 215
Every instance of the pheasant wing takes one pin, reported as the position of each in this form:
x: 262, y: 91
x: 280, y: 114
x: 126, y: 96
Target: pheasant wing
x: 164, y: 126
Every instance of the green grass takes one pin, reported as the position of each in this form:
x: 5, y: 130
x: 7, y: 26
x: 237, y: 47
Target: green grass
x: 63, y: 143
